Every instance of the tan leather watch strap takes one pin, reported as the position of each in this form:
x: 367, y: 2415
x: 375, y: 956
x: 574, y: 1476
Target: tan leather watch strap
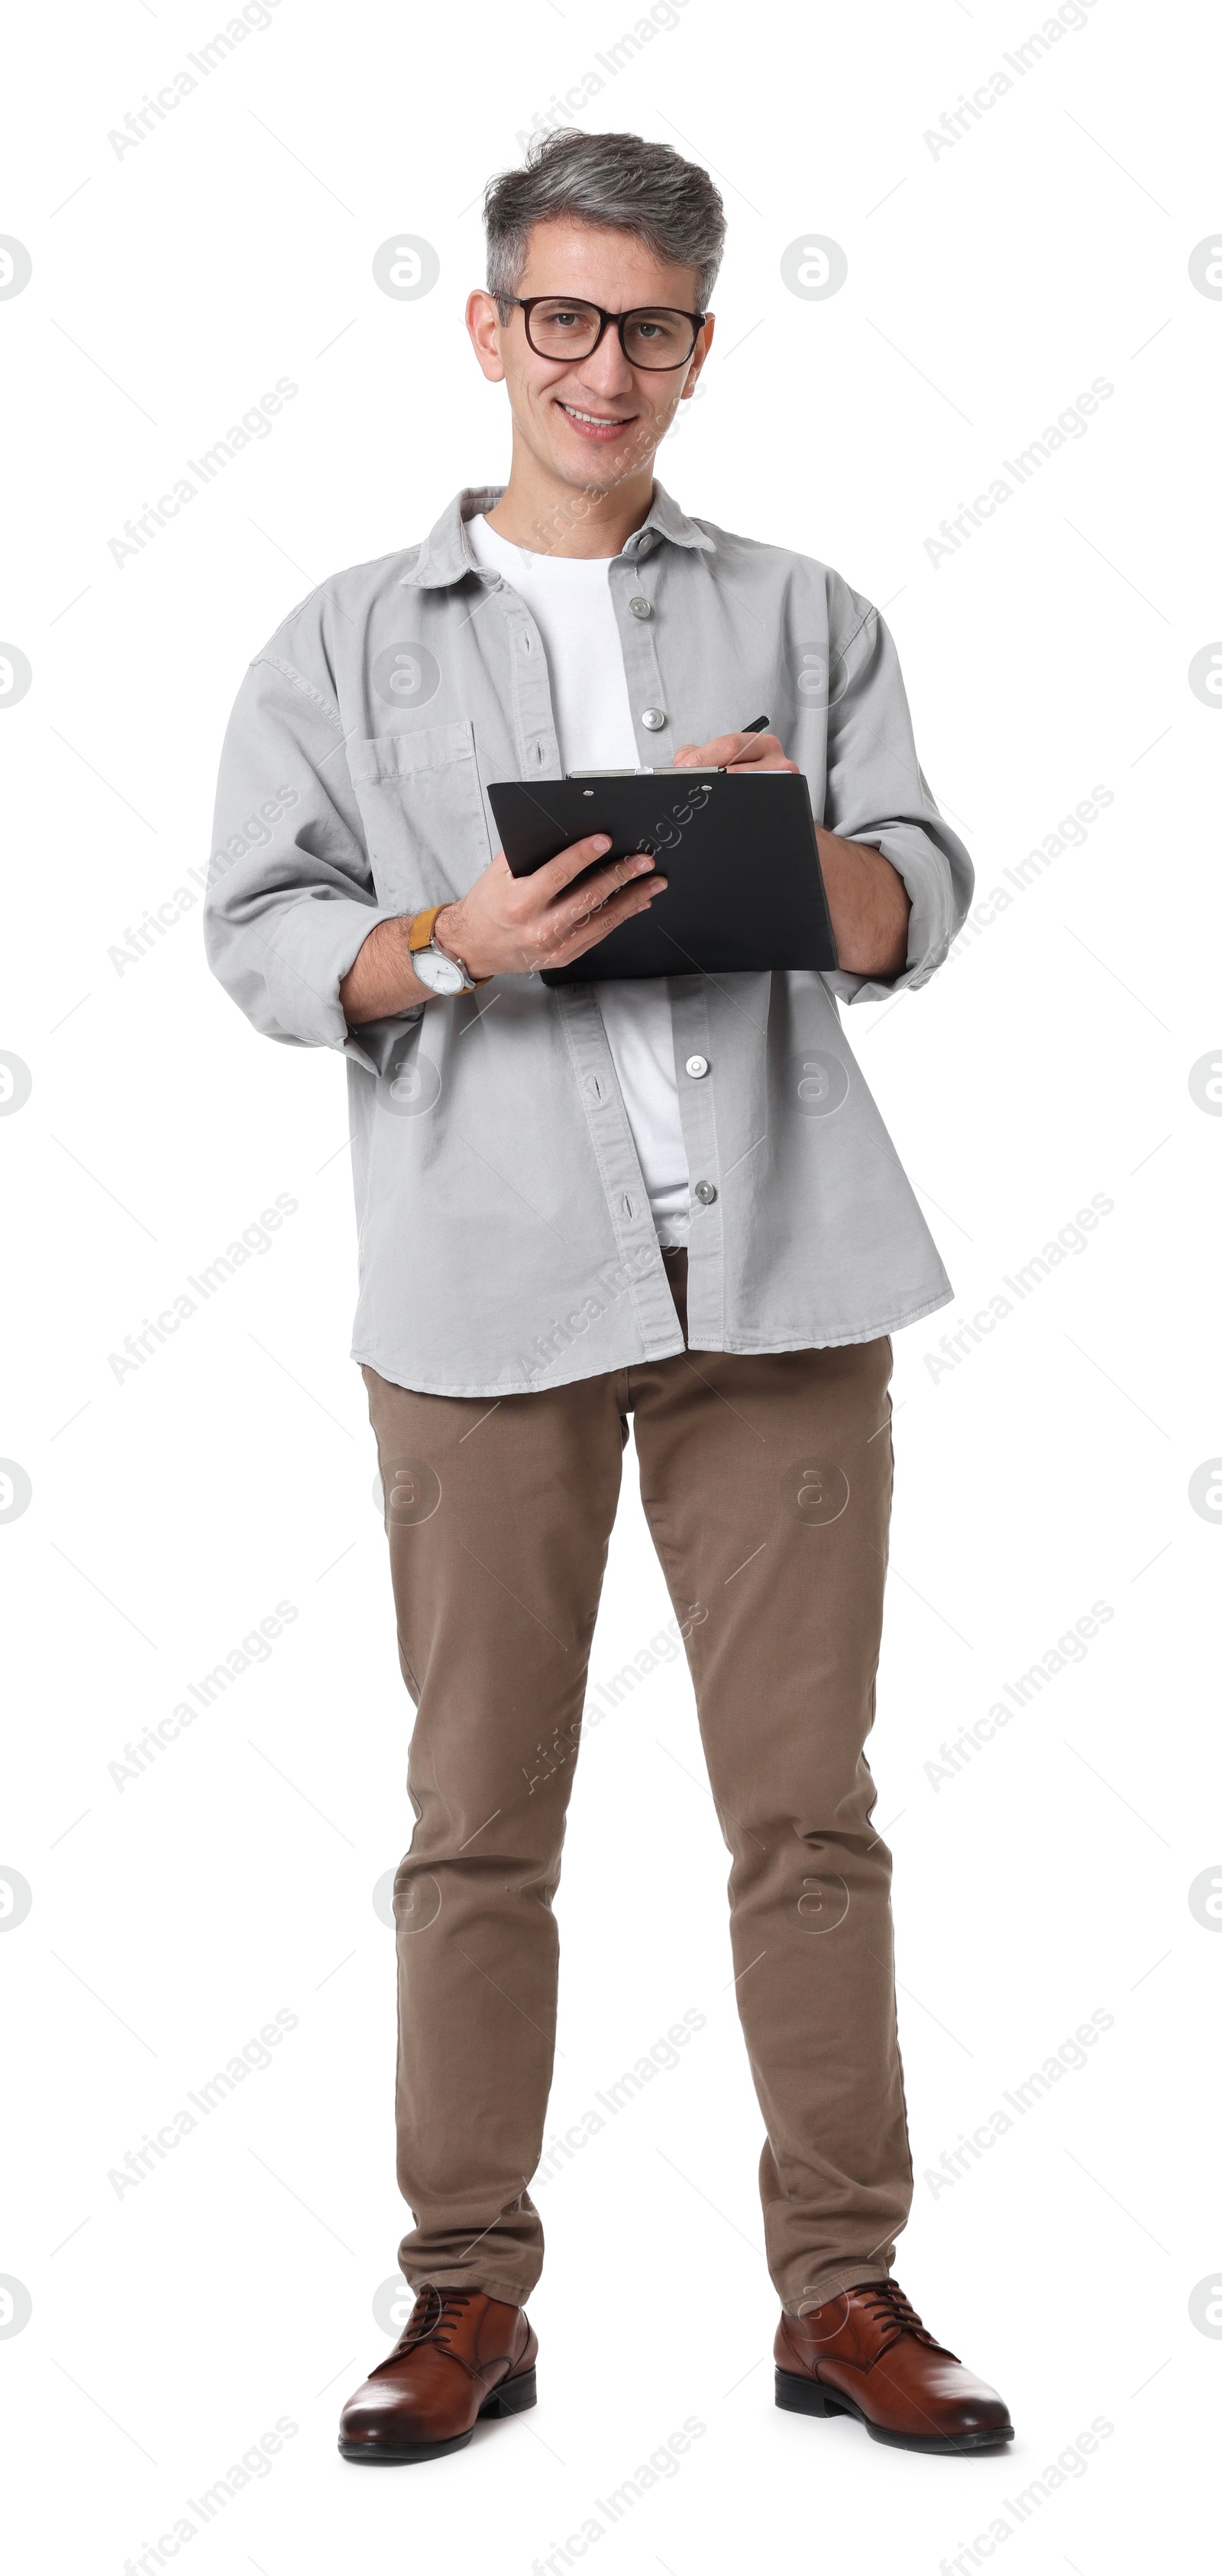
x: 420, y: 935
x: 422, y: 927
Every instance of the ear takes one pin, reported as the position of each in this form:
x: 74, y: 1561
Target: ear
x: 484, y: 325
x: 703, y: 342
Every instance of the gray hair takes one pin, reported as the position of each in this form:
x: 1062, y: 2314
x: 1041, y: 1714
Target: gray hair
x: 615, y: 180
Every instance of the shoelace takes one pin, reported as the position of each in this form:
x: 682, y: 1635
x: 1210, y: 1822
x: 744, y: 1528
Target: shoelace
x: 435, y: 2311
x: 888, y: 2306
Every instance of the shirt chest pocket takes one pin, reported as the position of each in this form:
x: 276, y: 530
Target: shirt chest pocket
x: 423, y: 811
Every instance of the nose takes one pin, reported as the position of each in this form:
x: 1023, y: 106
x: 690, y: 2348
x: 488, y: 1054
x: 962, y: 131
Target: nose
x: 606, y: 371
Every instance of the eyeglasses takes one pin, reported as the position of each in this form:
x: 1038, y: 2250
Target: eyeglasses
x: 652, y: 336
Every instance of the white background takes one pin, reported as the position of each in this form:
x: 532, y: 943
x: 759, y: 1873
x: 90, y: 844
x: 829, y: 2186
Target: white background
x: 988, y: 285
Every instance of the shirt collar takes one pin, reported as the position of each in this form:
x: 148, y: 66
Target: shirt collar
x: 445, y: 554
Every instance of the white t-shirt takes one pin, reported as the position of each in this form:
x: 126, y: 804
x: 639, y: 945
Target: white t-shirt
x: 570, y: 601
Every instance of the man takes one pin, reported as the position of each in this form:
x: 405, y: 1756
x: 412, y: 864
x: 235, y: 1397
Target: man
x: 668, y: 1200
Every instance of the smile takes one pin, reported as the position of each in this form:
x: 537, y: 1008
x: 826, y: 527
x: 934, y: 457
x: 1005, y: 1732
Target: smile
x: 592, y: 424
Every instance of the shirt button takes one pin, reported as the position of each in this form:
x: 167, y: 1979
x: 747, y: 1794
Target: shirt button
x: 653, y: 719
x: 640, y: 607
x: 697, y: 1066
x: 706, y: 1192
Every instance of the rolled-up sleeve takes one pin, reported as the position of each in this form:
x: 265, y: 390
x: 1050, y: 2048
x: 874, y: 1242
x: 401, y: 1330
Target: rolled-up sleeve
x: 290, y: 895
x: 876, y: 793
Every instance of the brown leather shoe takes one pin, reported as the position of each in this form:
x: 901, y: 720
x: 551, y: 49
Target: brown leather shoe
x: 461, y: 2355
x: 866, y: 2353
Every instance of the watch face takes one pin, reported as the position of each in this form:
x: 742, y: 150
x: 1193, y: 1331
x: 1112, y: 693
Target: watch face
x: 438, y: 972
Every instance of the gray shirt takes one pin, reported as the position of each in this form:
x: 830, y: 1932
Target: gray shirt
x: 505, y: 1236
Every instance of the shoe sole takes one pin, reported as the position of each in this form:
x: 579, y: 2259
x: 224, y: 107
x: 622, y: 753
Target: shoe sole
x: 808, y: 2397
x: 511, y: 2398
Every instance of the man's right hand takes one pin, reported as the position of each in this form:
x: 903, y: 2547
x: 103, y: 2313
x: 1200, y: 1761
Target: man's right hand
x: 505, y: 925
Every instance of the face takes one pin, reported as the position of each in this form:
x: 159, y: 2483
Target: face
x: 591, y: 422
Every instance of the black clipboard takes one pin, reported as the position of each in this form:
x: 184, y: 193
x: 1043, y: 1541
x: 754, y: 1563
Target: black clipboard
x: 744, y: 892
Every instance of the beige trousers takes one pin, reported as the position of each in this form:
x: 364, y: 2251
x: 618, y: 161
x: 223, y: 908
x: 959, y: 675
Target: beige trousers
x: 767, y: 1485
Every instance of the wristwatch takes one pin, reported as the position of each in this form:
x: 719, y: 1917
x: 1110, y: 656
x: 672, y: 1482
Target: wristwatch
x: 442, y: 974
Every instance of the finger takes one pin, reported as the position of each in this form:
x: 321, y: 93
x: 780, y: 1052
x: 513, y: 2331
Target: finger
x: 711, y: 755
x: 764, y: 751
x: 555, y: 874
x: 771, y: 755
x: 724, y: 748
x: 576, y: 903
x: 595, y: 926
x: 596, y: 889
x: 736, y: 751
x: 591, y: 904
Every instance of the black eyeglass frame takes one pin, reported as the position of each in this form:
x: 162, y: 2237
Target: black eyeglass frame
x: 526, y: 305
